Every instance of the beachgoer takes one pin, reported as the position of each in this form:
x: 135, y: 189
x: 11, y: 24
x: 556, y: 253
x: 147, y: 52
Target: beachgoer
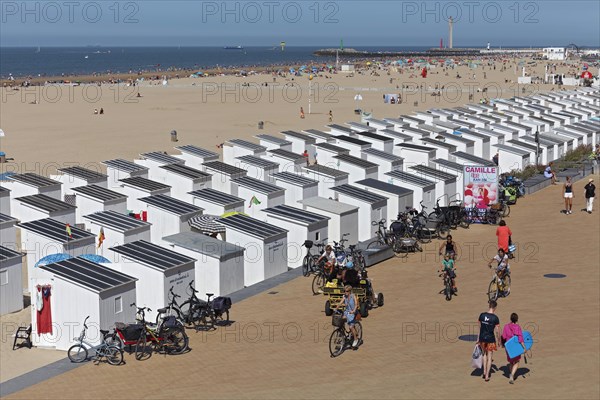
x: 504, y: 233
x: 448, y: 268
x: 351, y: 303
x: 101, y: 111
x: 590, y: 193
x: 330, y: 262
x: 488, y: 330
x: 568, y: 195
x: 302, y: 112
x: 496, y: 158
x: 305, y: 155
x: 548, y: 173
x: 450, y: 248
x: 503, y: 266
x: 330, y: 116
x: 510, y: 330
x: 95, y: 111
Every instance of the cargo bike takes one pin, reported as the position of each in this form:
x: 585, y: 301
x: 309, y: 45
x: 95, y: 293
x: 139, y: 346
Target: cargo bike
x: 335, y: 293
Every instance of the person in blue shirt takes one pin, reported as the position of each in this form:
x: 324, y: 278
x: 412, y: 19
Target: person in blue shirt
x: 448, y: 268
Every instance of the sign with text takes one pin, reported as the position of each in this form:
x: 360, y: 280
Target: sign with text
x: 480, y: 186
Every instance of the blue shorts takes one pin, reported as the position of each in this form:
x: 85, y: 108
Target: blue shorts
x: 349, y: 318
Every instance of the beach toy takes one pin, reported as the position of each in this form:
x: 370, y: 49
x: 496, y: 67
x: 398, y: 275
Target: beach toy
x: 514, y: 348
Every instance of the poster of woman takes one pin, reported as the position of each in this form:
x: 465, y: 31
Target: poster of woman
x: 480, y: 186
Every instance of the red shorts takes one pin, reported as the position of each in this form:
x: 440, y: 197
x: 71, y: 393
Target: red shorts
x: 488, y: 346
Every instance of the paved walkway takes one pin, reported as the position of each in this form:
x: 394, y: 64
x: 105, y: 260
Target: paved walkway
x: 278, y: 346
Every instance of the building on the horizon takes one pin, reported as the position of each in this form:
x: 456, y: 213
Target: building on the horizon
x: 554, y: 53
x: 450, y: 27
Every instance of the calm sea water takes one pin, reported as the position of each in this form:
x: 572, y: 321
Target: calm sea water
x: 54, y: 61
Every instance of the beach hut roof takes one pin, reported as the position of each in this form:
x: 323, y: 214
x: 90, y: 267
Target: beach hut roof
x: 410, y: 178
x: 153, y: 255
x: 216, y: 197
x: 124, y: 165
x: 161, y: 157
x: 45, y: 203
x: 34, y: 180
x: 99, y: 193
x: 172, y: 205
x: 144, y: 184
x: 56, y: 230
x: 197, y: 151
x: 117, y: 221
x: 359, y: 194
x: 295, y: 214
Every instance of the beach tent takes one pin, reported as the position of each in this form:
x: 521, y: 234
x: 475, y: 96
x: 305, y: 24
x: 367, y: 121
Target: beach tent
x: 52, y: 258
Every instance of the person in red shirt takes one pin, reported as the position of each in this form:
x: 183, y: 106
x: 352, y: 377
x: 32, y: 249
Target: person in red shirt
x: 504, y: 233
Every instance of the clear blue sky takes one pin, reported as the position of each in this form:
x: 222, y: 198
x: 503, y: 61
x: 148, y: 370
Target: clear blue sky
x: 299, y: 23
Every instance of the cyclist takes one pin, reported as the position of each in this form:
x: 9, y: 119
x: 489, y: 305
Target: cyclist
x: 448, y: 268
x: 330, y: 263
x: 351, y: 305
x: 450, y: 248
x: 503, y: 267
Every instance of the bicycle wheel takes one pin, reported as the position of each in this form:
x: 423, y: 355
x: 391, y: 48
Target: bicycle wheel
x: 173, y: 311
x: 465, y: 219
x: 77, y: 353
x: 506, y: 286
x: 442, y: 230
x: 448, y: 291
x: 493, y: 290
x: 359, y: 330
x: 175, y: 340
x: 317, y: 284
x: 505, y: 210
x: 337, y: 342
x: 424, y: 235
x: 143, y: 349
x: 189, y: 313
x: 374, y: 244
x: 114, y: 355
x: 306, y: 265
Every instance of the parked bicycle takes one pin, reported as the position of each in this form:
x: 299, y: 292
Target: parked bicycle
x: 309, y: 263
x: 341, y: 338
x: 168, y: 336
x: 212, y: 313
x: 79, y: 352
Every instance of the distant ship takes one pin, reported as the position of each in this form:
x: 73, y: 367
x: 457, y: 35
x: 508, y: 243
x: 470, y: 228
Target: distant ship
x: 233, y: 48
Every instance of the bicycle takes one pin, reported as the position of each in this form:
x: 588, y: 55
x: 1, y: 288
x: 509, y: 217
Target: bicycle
x: 383, y: 236
x: 208, y: 316
x: 79, y: 352
x: 342, y: 338
x: 309, y: 263
x: 499, y: 287
x: 168, y: 336
x: 448, y: 290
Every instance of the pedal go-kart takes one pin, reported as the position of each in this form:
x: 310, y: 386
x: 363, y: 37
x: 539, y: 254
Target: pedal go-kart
x: 335, y: 291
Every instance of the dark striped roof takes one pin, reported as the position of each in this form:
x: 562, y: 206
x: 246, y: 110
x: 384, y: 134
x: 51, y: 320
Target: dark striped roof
x: 273, y: 139
x: 172, y: 205
x: 257, y: 162
x: 99, y: 193
x: 288, y: 155
x: 252, y: 226
x: 295, y: 214
x: 216, y: 197
x: 160, y: 157
x: 144, y: 184
x: 56, y: 230
x: 7, y: 254
x: 247, y: 145
x: 359, y: 194
x: 7, y: 218
x: 348, y: 139
x: 382, y: 154
x: 294, y: 179
x: 257, y: 185
x: 35, y: 180
x: 405, y: 177
x: 318, y: 134
x: 298, y: 135
x: 332, y: 147
x: 45, y: 203
x: 197, y: 151
x: 185, y: 171
x: 432, y: 173
x: 326, y: 171
x: 384, y: 187
x: 124, y: 165
x: 83, y: 173
x: 224, y: 168
x: 359, y: 162
x: 152, y: 255
x: 472, y: 158
x: 117, y: 221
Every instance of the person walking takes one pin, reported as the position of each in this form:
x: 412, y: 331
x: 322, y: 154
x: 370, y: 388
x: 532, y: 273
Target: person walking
x: 510, y: 330
x: 568, y: 195
x: 301, y: 112
x: 590, y: 193
x: 489, y: 333
x: 503, y: 233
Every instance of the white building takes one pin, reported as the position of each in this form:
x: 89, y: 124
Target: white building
x: 80, y: 288
x: 155, y: 159
x: 219, y: 267
x: 386, y: 161
x: 343, y: 217
x: 118, y: 169
x: 39, y: 206
x: 319, y: 136
x: 222, y: 174
x: 301, y: 225
x: 271, y: 142
x: 301, y: 142
x: 137, y: 187
x: 371, y: 207
x: 287, y: 160
x: 326, y: 152
x: 327, y: 178
x: 414, y: 154
x: 512, y: 158
x: 237, y: 147
x: 554, y: 53
x: 258, y: 168
x: 442, y: 149
x: 214, y: 202
x: 297, y: 187
x: 168, y: 216
x: 258, y: 195
x: 92, y: 198
x: 195, y: 157
x: 8, y: 231
x: 11, y: 280
x: 157, y: 269
x: 379, y: 142
x: 446, y: 188
x: 118, y: 229
x: 423, y: 189
x: 399, y: 198
x: 265, y: 244
x: 356, y: 146
x: 28, y: 184
x: 183, y: 179
x: 357, y: 167
x: 73, y: 177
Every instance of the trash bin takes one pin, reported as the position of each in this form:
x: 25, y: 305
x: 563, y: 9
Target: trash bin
x: 261, y: 124
x: 2, y: 157
x: 174, y: 136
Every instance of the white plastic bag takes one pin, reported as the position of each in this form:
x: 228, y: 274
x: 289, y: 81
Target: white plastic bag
x: 477, y: 357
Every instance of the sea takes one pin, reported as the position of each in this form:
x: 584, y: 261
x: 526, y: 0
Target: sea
x: 57, y: 61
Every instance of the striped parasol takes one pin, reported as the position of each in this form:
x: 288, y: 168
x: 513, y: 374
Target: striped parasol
x: 207, y: 224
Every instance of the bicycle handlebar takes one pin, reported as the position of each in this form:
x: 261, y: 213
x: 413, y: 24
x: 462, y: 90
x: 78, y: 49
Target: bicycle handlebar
x: 84, y: 322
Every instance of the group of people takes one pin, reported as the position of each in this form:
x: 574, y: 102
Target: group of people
x: 589, y: 193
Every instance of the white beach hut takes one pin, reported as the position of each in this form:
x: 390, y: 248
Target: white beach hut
x: 155, y: 159
x: 319, y: 136
x: 118, y: 169
x: 11, y: 280
x: 265, y: 244
x: 80, y: 288
x: 446, y: 185
x: 301, y: 225
x: 219, y: 267
x: 357, y: 168
x: 168, y: 216
x: 443, y: 149
x: 423, y: 189
x: 39, y: 206
x: 258, y: 168
x: 300, y: 143
x: 4, y: 200
x: 28, y: 184
x: 137, y: 187
x: 462, y: 143
x: 357, y: 127
x: 396, y: 136
x: 447, y: 126
x: 237, y: 147
x: 379, y: 142
x: 92, y: 198
x: 271, y: 142
x: 356, y: 146
x: 195, y: 157
x: 470, y: 159
x: 287, y: 160
x: 386, y: 161
x: 77, y: 176
x: 44, y: 237
x: 326, y: 153
x: 157, y: 269
x: 451, y: 168
x: 512, y: 158
x: 481, y: 142
x: 343, y: 217
x: 222, y: 175
x: 398, y: 198
x: 183, y: 179
x: 371, y: 207
x: 380, y: 124
x: 337, y: 130
x: 532, y: 149
x: 327, y: 178
x: 509, y: 133
x: 118, y: 229
x: 414, y: 154
x: 297, y: 186
x: 495, y: 137
x: 258, y: 195
x: 8, y: 231
x: 215, y: 202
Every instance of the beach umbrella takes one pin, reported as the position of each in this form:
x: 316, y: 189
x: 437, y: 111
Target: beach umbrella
x: 207, y: 224
x: 292, y: 70
x: 52, y: 258
x: 302, y: 68
x: 98, y: 259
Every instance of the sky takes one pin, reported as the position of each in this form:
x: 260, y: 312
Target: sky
x: 298, y: 23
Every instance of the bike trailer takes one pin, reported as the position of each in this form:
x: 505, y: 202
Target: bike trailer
x: 222, y: 303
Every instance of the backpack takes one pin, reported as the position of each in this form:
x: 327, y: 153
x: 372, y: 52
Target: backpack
x: 221, y: 303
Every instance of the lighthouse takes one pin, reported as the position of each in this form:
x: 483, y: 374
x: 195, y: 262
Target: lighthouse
x: 450, y: 26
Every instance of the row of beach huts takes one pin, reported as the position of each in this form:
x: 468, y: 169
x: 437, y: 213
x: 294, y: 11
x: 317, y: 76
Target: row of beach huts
x: 124, y: 229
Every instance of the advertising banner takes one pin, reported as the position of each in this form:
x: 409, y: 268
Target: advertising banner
x: 480, y: 187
